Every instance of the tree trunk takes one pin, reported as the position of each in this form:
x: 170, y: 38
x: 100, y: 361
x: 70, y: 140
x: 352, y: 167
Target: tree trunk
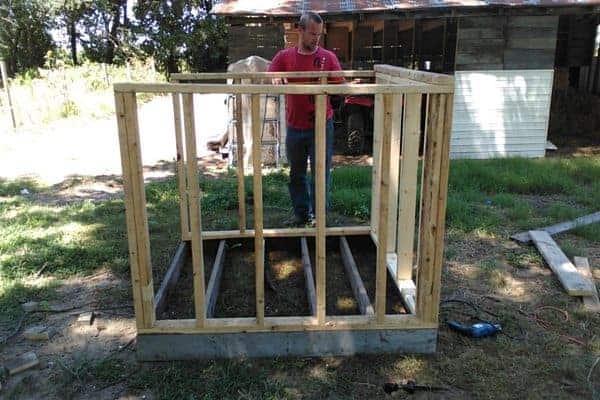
x: 113, y: 36
x: 172, y: 66
x: 73, y: 39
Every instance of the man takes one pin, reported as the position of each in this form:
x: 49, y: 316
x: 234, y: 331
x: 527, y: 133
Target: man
x: 300, y: 114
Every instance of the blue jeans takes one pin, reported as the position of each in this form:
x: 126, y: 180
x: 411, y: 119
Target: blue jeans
x: 300, y: 146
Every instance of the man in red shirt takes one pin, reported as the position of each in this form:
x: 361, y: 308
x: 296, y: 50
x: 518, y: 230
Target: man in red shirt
x: 300, y: 114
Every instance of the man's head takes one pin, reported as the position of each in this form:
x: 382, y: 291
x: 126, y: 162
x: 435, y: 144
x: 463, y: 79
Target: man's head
x: 311, y: 29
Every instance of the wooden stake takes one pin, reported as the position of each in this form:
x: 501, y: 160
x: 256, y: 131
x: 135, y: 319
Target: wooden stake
x: 195, y: 209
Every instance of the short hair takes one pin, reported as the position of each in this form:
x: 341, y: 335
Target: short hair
x: 307, y: 17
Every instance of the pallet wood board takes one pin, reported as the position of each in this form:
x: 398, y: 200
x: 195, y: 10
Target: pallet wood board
x: 524, y: 237
x: 591, y: 303
x: 573, y: 282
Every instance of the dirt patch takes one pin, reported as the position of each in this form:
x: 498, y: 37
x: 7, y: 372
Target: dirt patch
x: 179, y: 303
x: 62, y: 358
x: 285, y: 285
x: 365, y: 255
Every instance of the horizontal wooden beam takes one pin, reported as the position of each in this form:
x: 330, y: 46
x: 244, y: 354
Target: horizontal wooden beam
x: 271, y: 75
x: 283, y: 324
x: 524, y: 237
x: 288, y: 232
x: 171, y: 277
x: 340, y: 89
x: 415, y: 75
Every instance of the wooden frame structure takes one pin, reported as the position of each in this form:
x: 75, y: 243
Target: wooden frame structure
x: 400, y: 217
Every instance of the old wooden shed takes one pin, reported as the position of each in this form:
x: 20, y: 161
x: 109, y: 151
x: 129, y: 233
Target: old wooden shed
x: 507, y: 55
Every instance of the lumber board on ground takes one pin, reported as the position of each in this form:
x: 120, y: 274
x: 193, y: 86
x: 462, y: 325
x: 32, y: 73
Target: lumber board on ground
x: 591, y: 303
x: 573, y: 282
x: 523, y: 237
x: 358, y: 287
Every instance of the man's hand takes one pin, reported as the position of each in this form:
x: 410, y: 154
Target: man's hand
x: 278, y: 81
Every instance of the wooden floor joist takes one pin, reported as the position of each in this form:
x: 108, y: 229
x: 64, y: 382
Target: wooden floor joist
x: 358, y: 287
x: 591, y: 303
x: 524, y: 237
x: 308, y: 277
x: 573, y: 282
x: 212, y: 290
x: 171, y: 277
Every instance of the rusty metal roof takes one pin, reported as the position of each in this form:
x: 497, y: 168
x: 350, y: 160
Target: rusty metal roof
x: 296, y: 7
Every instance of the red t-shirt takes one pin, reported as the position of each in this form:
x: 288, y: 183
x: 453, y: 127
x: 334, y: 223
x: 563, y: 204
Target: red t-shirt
x: 300, y: 108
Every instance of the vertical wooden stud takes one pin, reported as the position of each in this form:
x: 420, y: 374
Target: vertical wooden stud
x: 239, y: 133
x: 396, y: 133
x: 184, y: 209
x: 320, y: 194
x: 259, y: 243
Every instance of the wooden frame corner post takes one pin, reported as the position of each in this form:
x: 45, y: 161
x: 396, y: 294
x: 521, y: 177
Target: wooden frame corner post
x: 433, y: 214
x: 135, y: 208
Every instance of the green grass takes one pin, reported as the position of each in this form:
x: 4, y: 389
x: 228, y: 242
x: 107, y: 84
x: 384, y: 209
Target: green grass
x: 488, y: 200
x: 224, y: 380
x: 483, y: 195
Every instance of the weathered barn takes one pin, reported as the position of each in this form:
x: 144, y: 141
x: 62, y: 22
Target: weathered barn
x: 508, y: 56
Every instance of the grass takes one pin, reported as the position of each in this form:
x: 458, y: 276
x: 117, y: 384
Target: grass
x: 488, y: 200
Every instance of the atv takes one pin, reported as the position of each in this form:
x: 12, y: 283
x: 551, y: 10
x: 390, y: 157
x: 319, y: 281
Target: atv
x: 354, y: 118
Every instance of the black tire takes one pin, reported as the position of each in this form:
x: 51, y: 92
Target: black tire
x: 355, y: 138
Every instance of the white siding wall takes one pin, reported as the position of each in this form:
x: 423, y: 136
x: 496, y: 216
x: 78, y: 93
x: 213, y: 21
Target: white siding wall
x: 501, y: 113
